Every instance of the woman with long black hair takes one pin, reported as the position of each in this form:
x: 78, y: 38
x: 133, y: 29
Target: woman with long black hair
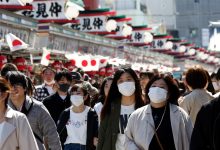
x: 123, y: 98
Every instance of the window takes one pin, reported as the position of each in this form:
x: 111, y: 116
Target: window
x: 125, y: 4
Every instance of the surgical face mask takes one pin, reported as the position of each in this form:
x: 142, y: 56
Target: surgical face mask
x: 216, y: 86
x: 76, y: 100
x: 64, y: 87
x: 157, y: 95
x: 49, y: 83
x: 126, y: 88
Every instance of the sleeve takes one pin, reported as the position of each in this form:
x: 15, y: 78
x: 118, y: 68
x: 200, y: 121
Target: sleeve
x: 24, y: 129
x: 61, y: 129
x: 49, y: 130
x: 95, y: 125
x: 198, y: 138
x: 101, y: 133
x: 129, y: 140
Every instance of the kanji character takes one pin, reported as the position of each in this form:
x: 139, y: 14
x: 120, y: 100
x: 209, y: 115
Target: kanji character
x: 138, y: 36
x: 97, y: 23
x: 28, y: 13
x: 86, y: 24
x: 41, y: 10
x: 55, y: 8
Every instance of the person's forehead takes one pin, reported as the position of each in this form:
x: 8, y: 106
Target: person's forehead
x: 48, y: 71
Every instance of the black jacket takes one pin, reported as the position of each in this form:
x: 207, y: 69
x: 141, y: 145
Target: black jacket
x: 206, y: 132
x: 56, y: 105
x: 92, y: 127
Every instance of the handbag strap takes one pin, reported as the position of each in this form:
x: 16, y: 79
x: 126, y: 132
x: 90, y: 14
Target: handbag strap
x: 157, y: 138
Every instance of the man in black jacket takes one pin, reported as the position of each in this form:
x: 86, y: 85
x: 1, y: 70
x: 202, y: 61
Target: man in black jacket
x: 206, y: 132
x: 59, y: 101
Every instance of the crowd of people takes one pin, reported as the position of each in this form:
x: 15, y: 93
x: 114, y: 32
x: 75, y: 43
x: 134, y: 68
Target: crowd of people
x: 129, y: 110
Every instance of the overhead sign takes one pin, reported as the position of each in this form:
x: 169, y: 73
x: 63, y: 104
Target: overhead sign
x: 45, y: 10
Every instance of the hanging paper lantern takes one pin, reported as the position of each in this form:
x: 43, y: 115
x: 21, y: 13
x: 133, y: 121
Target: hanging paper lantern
x: 71, y: 12
x: 182, y: 49
x: 148, y: 37
x: 192, y: 51
x: 127, y: 30
x: 111, y: 25
x: 168, y: 45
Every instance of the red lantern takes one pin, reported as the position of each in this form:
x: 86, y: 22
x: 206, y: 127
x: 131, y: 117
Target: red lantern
x: 21, y: 63
x: 91, y: 4
x: 3, y: 60
x: 102, y: 71
x: 70, y: 65
x: 57, y: 65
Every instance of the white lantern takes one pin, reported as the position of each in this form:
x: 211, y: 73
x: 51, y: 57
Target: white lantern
x: 111, y: 25
x: 127, y: 30
x: 169, y: 45
x: 192, y: 51
x: 211, y: 59
x: 182, y: 49
x: 216, y: 60
x: 71, y: 12
x: 24, y: 2
x: 204, y: 56
x: 109, y: 2
x: 148, y: 37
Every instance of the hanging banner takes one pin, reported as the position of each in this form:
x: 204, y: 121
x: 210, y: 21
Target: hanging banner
x: 45, y: 10
x: 91, y: 24
x: 159, y: 42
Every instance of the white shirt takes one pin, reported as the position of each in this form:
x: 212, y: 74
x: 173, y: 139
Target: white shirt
x: 123, y: 120
x: 1, y: 129
x: 49, y: 89
x: 77, y: 127
x: 98, y: 109
x: 63, y: 97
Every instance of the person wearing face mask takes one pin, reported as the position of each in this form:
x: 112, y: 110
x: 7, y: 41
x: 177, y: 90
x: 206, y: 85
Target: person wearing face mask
x: 15, y: 130
x: 123, y: 98
x: 42, y: 124
x: 160, y: 125
x: 46, y: 89
x: 60, y: 100
x: 78, y: 125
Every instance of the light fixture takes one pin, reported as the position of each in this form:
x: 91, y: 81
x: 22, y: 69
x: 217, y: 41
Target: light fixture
x: 24, y: 2
x: 127, y: 30
x: 111, y: 25
x: 182, y: 49
x: 72, y: 8
x: 148, y: 37
x: 168, y: 45
x: 71, y: 12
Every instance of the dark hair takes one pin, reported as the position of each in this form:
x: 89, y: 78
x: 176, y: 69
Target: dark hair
x: 115, y: 95
x: 210, y: 87
x: 84, y: 90
x: 61, y: 74
x: 173, y: 90
x: 196, y: 78
x: 148, y: 74
x: 102, y: 96
x: 8, y: 67
x: 218, y: 74
x: 16, y: 77
x: 4, y: 87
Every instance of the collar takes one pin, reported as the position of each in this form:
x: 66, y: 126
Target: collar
x: 148, y: 109
x: 9, y: 112
x: 27, y: 103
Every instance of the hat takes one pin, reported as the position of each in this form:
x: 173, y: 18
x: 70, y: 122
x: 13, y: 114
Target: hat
x: 49, y: 68
x: 76, y: 76
x: 21, y: 63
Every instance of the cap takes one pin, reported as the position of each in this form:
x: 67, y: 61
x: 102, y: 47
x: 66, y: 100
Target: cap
x: 49, y: 68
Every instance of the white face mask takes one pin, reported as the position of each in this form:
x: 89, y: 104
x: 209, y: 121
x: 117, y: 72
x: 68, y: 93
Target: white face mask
x: 126, y: 88
x: 157, y: 95
x: 76, y: 100
x: 49, y: 83
x: 216, y: 86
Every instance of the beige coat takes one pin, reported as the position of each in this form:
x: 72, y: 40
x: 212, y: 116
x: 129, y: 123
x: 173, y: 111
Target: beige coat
x: 193, y: 102
x: 139, y: 131
x: 17, y: 133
